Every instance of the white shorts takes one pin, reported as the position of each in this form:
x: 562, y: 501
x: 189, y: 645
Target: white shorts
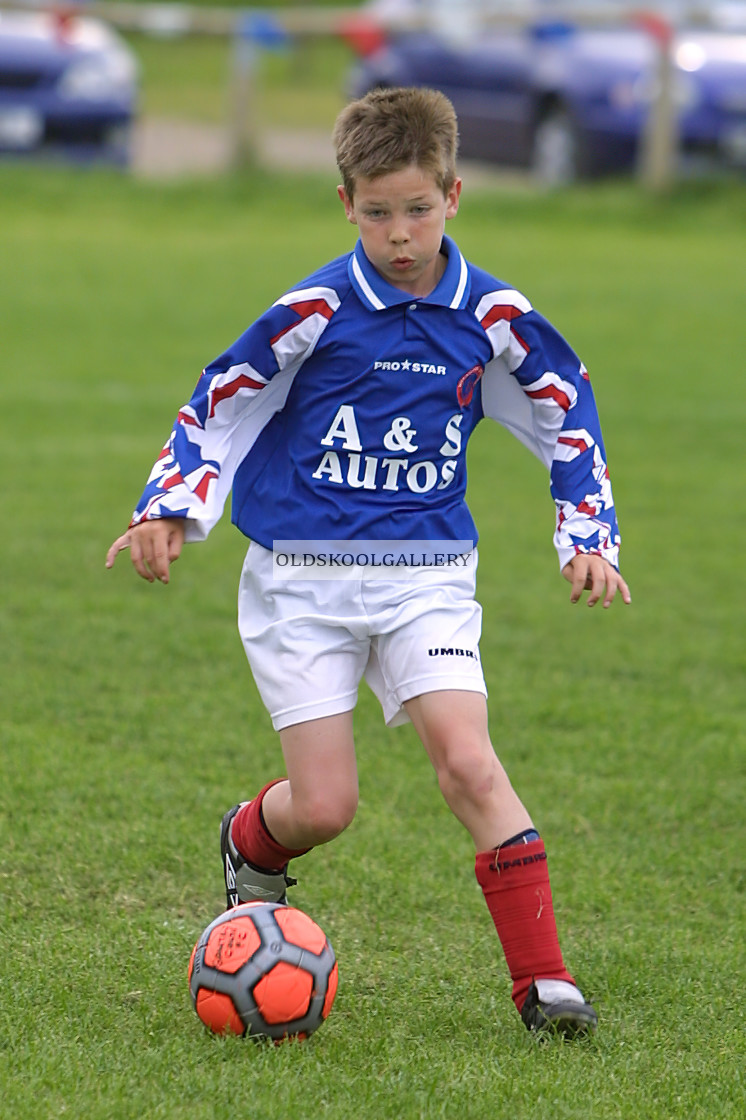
x: 310, y: 642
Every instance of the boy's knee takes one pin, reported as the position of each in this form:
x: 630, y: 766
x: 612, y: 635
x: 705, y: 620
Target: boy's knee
x: 470, y: 770
x: 325, y: 817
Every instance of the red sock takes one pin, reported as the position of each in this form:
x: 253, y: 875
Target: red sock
x: 515, y: 884
x: 253, y: 839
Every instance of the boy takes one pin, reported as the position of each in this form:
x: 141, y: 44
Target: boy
x: 341, y: 416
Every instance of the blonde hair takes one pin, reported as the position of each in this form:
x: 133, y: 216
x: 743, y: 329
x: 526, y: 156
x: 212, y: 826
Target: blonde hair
x: 390, y: 129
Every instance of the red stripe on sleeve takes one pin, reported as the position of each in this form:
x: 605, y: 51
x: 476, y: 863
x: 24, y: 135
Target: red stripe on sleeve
x: 225, y: 392
x: 552, y: 391
x: 305, y: 308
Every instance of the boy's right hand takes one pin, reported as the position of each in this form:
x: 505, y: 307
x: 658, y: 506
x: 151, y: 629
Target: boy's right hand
x: 153, y: 545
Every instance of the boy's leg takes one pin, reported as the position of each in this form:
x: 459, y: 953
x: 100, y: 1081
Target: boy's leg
x: 313, y: 804
x: 453, y: 728
x: 319, y: 799
x: 511, y: 863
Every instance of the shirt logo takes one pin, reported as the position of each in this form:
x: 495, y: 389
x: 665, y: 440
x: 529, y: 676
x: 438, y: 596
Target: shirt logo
x: 408, y: 366
x: 467, y: 384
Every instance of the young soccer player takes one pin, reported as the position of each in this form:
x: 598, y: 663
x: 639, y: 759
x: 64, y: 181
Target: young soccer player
x: 340, y: 420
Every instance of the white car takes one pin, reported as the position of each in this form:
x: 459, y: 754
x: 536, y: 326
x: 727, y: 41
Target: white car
x: 68, y: 86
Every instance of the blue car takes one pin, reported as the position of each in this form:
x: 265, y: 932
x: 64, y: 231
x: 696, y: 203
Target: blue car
x: 68, y: 86
x: 572, y: 102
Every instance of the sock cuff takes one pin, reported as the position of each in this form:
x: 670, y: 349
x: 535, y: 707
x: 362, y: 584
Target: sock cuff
x: 499, y: 866
x: 254, y: 841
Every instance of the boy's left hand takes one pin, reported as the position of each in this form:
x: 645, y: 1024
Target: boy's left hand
x: 590, y: 572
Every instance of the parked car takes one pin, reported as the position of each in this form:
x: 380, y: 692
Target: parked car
x: 572, y: 101
x: 68, y: 86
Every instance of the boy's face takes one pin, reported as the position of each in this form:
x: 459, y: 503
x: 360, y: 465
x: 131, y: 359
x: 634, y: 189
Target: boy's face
x: 401, y: 218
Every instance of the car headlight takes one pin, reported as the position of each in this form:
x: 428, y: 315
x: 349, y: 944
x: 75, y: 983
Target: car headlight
x: 690, y: 56
x: 97, y: 77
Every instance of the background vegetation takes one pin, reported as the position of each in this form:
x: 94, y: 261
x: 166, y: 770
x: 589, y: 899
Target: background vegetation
x: 300, y: 86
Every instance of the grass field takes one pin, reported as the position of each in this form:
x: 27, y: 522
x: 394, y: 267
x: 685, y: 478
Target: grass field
x: 129, y: 722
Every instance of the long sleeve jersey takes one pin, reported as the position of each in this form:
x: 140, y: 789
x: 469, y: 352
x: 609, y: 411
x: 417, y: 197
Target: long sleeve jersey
x: 343, y: 413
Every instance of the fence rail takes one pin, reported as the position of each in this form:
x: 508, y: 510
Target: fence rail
x: 313, y: 20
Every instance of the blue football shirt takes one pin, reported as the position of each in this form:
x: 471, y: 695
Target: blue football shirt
x: 344, y: 411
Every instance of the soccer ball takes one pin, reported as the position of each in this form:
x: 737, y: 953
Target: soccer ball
x: 263, y: 969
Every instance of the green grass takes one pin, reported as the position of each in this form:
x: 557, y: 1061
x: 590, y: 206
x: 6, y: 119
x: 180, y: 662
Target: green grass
x: 129, y: 721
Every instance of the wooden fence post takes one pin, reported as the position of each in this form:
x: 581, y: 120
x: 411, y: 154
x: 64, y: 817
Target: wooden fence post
x: 255, y: 31
x: 659, y: 144
x: 243, y: 100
